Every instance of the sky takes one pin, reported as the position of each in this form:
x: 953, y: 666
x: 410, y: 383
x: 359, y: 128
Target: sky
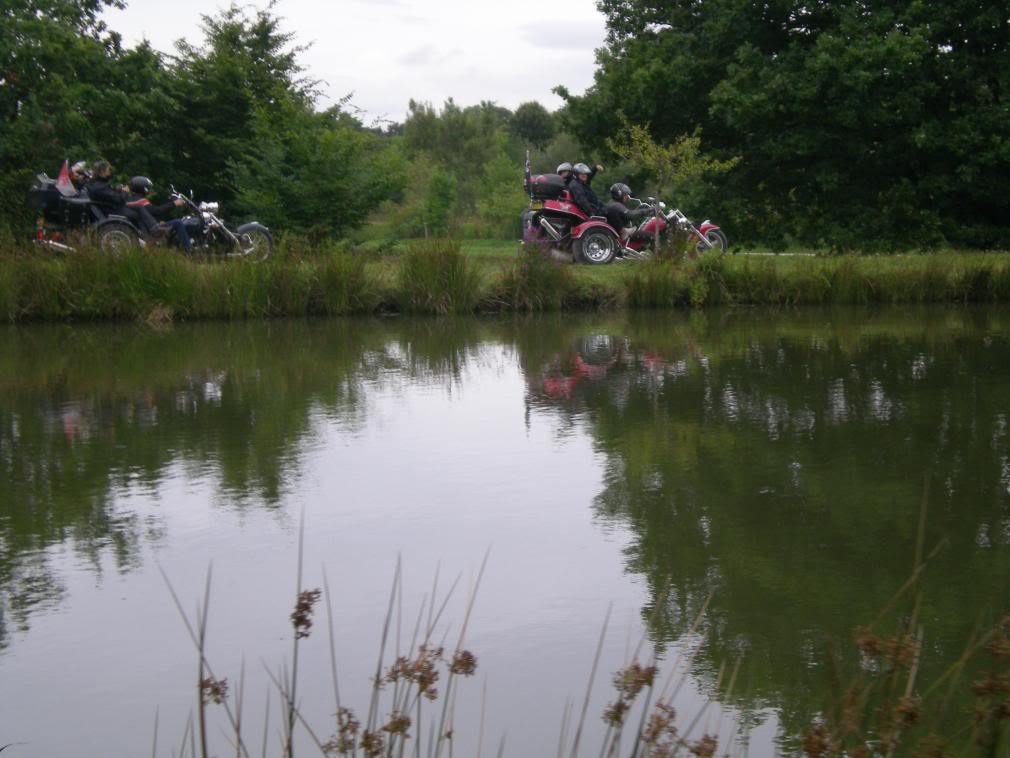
x: 386, y: 52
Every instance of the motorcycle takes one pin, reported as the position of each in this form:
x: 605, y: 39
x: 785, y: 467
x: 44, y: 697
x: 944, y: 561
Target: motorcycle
x: 68, y: 218
x: 553, y: 219
x: 212, y: 236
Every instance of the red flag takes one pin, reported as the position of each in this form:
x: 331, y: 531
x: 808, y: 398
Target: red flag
x: 63, y: 183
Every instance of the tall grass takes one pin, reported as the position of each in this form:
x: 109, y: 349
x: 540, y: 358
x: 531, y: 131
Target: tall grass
x: 534, y: 281
x: 880, y: 706
x: 436, y: 277
x: 90, y: 285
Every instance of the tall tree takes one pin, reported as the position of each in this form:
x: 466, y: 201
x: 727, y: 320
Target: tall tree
x: 857, y: 122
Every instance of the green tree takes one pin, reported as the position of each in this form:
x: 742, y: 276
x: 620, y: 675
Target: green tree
x: 856, y: 123
x: 532, y: 124
x: 69, y: 90
x: 244, y: 77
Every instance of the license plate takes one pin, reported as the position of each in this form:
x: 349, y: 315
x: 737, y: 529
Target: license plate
x: 536, y: 205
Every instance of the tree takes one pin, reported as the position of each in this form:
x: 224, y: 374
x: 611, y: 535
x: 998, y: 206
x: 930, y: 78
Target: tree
x: 533, y: 124
x: 856, y: 123
x: 241, y: 80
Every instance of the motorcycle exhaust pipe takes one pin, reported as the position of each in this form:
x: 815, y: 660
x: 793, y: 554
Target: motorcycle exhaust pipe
x: 554, y: 233
x: 56, y: 246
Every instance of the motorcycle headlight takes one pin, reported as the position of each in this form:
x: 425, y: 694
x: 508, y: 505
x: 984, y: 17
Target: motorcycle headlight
x: 209, y: 207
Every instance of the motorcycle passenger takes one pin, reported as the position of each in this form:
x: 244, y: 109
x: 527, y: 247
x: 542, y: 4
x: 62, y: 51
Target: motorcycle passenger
x: 101, y: 191
x: 141, y: 187
x: 79, y: 175
x: 565, y: 171
x: 582, y: 194
x: 618, y: 215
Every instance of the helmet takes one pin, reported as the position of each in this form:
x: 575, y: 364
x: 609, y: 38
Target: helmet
x: 141, y: 185
x: 619, y: 190
x: 566, y: 166
x: 581, y: 168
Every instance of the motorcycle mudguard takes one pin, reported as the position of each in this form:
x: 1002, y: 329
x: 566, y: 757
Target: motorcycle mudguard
x: 578, y: 231
x: 706, y: 227
x: 564, y: 206
x: 114, y: 219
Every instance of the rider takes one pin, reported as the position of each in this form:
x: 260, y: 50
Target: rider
x: 582, y: 194
x: 141, y: 187
x: 102, y: 192
x: 618, y: 215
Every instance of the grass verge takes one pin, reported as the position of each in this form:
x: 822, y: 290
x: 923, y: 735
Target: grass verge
x: 443, y: 276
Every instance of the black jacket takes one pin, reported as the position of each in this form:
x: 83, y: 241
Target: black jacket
x: 584, y: 197
x: 619, y: 217
x: 103, y: 193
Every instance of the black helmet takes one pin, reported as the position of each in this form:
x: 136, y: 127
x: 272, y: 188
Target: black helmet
x: 566, y: 166
x: 581, y: 168
x: 141, y: 185
x: 619, y: 190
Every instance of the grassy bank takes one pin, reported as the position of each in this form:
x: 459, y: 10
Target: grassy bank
x: 445, y: 277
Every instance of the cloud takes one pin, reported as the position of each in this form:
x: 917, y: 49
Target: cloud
x: 565, y: 35
x: 421, y: 56
x: 427, y: 56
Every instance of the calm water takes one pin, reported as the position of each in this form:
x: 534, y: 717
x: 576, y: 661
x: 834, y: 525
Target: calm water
x: 778, y: 460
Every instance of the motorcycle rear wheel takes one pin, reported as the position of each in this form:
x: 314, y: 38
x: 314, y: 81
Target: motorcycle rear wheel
x: 116, y: 238
x: 595, y: 247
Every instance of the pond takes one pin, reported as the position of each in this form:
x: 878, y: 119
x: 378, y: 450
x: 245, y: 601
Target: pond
x: 739, y: 489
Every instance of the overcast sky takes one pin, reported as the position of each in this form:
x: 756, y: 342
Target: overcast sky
x: 388, y: 51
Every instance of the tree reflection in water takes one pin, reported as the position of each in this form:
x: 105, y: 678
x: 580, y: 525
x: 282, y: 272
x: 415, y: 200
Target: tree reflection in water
x: 86, y: 414
x: 777, y: 460
x: 781, y: 463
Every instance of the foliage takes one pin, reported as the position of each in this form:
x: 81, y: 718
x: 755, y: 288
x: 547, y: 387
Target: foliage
x: 858, y: 125
x: 671, y: 166
x: 232, y: 118
x: 533, y: 124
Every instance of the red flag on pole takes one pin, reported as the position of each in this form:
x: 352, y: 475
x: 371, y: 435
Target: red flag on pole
x: 63, y: 183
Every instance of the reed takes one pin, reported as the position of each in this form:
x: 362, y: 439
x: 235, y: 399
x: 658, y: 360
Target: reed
x: 436, y: 277
x: 439, y: 277
x: 881, y: 708
x: 534, y: 281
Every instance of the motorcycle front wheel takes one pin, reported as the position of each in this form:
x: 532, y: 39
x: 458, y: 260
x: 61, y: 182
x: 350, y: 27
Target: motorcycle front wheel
x: 717, y: 241
x: 256, y: 241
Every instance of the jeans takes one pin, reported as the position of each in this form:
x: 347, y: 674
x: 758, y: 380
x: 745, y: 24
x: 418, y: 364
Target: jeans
x: 181, y: 233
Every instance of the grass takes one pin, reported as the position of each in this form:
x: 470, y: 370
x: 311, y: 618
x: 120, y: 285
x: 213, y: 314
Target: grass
x: 441, y: 276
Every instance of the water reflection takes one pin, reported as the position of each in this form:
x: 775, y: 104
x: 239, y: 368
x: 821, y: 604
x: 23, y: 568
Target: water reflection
x: 777, y: 460
x: 781, y: 463
x: 87, y: 414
